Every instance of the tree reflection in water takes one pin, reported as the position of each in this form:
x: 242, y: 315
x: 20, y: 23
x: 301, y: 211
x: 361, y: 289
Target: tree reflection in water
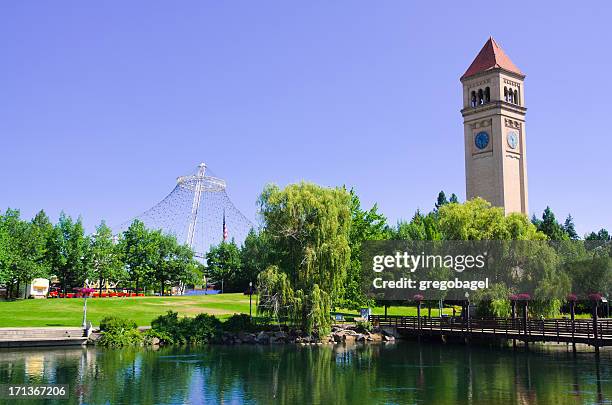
x: 376, y: 373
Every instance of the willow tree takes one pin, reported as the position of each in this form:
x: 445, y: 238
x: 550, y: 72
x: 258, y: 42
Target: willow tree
x: 308, y: 228
x: 522, y: 249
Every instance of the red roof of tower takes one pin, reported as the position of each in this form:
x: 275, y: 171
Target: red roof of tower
x: 491, y: 56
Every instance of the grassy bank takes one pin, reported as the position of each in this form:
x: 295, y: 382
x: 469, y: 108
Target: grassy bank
x: 69, y: 311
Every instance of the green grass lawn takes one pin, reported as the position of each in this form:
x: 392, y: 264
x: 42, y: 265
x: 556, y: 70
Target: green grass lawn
x: 400, y: 310
x: 69, y: 311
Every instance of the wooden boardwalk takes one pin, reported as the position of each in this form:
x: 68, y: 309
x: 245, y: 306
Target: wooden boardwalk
x: 585, y: 331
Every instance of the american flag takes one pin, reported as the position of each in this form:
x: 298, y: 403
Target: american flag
x: 224, y: 228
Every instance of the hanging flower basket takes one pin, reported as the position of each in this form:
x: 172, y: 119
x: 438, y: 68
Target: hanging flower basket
x: 523, y: 297
x: 571, y: 297
x: 596, y: 297
x: 85, y: 292
x: 418, y: 298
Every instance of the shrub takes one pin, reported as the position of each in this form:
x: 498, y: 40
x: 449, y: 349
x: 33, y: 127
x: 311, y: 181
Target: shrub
x: 238, y: 323
x: 203, y: 328
x: 120, y: 338
x: 169, y: 325
x: 115, y: 323
x: 363, y: 327
x: 118, y: 332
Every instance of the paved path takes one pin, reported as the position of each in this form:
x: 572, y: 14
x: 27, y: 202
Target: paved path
x: 48, y: 336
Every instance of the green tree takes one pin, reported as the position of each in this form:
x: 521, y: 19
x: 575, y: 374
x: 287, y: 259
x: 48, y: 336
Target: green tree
x: 23, y: 248
x: 276, y: 298
x: 365, y: 225
x: 223, y: 262
x: 526, y: 248
x: 477, y: 220
x: 420, y: 227
x: 570, y: 229
x: 309, y: 228
x: 138, y: 253
x: 551, y: 227
x: 173, y: 263
x: 105, y: 257
x: 4, y: 253
x: 601, y: 235
x: 68, y: 248
x: 254, y: 258
x: 441, y: 200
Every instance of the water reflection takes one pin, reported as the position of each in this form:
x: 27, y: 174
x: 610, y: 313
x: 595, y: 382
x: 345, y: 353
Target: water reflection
x: 399, y: 373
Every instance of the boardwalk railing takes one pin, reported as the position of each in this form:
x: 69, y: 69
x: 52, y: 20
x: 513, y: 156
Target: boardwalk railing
x: 560, y: 330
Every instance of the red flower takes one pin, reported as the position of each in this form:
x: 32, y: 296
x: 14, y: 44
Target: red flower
x: 595, y: 297
x: 85, y: 291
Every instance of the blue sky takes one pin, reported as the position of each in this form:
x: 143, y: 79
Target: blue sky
x: 106, y: 103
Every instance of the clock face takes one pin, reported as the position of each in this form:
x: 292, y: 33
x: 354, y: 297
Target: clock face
x: 512, y: 139
x: 481, y: 140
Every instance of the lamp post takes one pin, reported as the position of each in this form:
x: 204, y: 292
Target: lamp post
x: 595, y: 299
x: 418, y: 298
x: 572, y: 304
x: 251, y: 299
x: 85, y: 292
x: 524, y: 298
x: 467, y: 311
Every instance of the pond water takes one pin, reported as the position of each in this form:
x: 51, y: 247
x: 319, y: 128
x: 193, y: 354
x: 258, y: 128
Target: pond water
x: 400, y: 373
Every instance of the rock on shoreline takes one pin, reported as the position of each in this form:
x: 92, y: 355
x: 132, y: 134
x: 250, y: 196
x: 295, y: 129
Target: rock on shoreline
x: 339, y: 334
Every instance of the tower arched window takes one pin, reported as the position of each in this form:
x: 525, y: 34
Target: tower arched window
x: 510, y: 96
x: 516, y: 97
x: 487, y: 94
x: 505, y: 94
x: 473, y: 100
x: 480, y: 97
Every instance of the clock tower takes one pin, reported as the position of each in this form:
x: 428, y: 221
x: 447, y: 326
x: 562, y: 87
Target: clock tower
x: 494, y: 130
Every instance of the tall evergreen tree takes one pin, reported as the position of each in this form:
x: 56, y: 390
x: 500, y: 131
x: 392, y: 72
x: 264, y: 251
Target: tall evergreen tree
x: 550, y: 227
x: 441, y: 200
x: 601, y: 235
x: 570, y: 229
